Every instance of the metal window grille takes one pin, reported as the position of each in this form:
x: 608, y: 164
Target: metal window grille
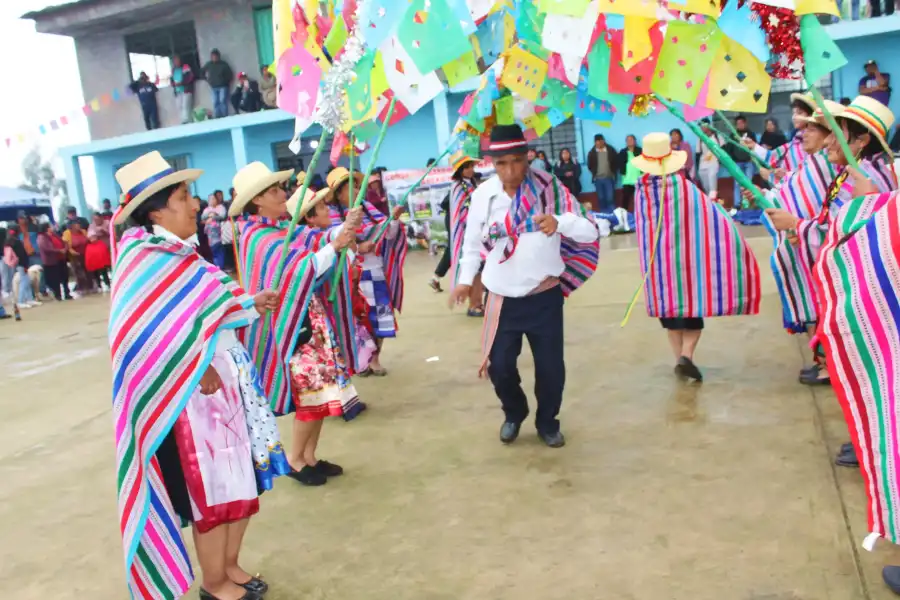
x: 151, y: 51
x: 559, y: 137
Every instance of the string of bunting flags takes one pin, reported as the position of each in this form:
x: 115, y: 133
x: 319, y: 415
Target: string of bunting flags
x: 538, y: 63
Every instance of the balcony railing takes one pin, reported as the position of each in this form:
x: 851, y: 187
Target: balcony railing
x: 858, y: 10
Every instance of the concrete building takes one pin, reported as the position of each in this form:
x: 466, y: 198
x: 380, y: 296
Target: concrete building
x: 116, y: 39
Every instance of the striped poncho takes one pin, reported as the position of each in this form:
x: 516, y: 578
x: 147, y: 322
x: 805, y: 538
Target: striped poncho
x: 811, y: 232
x: 858, y: 275
x: 460, y: 198
x: 168, y: 307
x: 390, y: 244
x: 272, y: 339
x: 802, y: 194
x: 694, y: 261
x: 789, y: 156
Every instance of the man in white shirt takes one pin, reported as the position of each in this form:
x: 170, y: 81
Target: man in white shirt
x: 539, y: 245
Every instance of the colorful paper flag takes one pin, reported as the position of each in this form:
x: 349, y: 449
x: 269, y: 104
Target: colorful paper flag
x: 557, y: 117
x: 95, y: 105
x: 359, y: 92
x: 54, y: 125
x: 298, y: 76
x: 637, y: 79
x: 634, y: 8
x: 636, y: 42
x: 598, y: 76
x: 738, y: 81
x: 524, y: 73
x: 461, y: 69
x: 379, y: 19
x: 818, y: 7
x: 336, y: 37
x: 700, y: 7
x: 42, y: 129
x: 570, y: 35
x: 410, y: 86
x: 431, y: 35
x: 697, y: 111
x: 63, y: 120
x: 463, y: 16
x: 106, y: 99
x: 539, y: 123
x: 116, y: 95
x: 503, y: 109
x: 685, y: 60
x: 490, y: 39
x: 379, y: 81
x: 821, y: 53
x: 529, y: 22
x: 571, y: 8
x: 738, y: 24
x: 480, y: 8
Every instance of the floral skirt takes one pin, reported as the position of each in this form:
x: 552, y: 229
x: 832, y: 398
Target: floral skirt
x: 319, y: 377
x: 224, y: 448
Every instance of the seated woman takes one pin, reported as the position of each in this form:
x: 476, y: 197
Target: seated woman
x: 382, y: 246
x: 694, y: 262
x: 195, y: 440
x: 278, y: 341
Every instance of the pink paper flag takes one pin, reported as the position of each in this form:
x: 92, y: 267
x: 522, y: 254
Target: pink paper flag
x: 337, y: 145
x: 557, y: 69
x: 698, y: 110
x: 467, y: 104
x: 298, y: 81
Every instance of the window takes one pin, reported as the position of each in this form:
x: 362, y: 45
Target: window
x: 557, y: 138
x: 151, y: 51
x: 265, y: 36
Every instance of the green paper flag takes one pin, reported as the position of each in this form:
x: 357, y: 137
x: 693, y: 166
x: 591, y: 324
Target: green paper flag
x: 366, y: 131
x: 529, y: 23
x: 556, y: 94
x: 685, y: 60
x: 359, y: 93
x: 598, y: 77
x: 461, y: 69
x: 504, y: 110
x: 431, y: 34
x: 571, y: 8
x: 471, y: 146
x: 337, y: 36
x: 821, y: 54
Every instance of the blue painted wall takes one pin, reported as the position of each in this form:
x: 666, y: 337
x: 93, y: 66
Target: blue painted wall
x: 212, y: 153
x: 882, y: 48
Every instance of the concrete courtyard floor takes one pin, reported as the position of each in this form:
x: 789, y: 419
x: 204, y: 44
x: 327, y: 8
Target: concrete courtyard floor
x: 666, y: 490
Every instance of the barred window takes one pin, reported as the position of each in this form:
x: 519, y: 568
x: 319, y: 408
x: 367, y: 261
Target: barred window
x: 151, y: 51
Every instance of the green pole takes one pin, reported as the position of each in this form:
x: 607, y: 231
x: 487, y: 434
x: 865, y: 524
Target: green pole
x: 362, y: 191
x: 735, y: 139
x: 726, y: 160
x: 837, y: 131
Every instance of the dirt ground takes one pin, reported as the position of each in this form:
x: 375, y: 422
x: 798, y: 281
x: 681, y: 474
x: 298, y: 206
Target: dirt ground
x: 666, y: 490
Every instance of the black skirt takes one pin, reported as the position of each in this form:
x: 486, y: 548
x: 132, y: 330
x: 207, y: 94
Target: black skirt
x: 682, y: 323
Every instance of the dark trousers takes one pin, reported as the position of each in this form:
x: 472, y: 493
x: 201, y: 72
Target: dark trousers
x: 444, y: 264
x: 151, y: 117
x: 101, y: 275
x: 57, y: 280
x: 539, y: 318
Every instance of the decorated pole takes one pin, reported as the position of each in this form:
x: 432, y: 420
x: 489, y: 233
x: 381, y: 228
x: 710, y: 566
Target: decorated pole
x: 296, y: 216
x: 724, y: 159
x: 362, y: 190
x: 419, y: 181
x: 838, y: 132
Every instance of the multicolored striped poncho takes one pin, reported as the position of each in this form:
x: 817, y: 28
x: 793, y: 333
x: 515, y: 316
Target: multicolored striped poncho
x: 789, y: 156
x: 858, y: 275
x: 460, y: 199
x: 272, y: 339
x: 694, y: 261
x: 540, y: 194
x: 168, y: 307
x: 811, y: 232
x: 390, y: 245
x: 802, y: 194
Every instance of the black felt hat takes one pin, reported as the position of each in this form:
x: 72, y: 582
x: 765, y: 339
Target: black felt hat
x: 507, y: 139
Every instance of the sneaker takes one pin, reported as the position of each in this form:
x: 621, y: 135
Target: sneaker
x: 26, y: 305
x: 732, y: 212
x: 37, y: 303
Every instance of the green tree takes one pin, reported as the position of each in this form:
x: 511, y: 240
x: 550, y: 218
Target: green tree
x: 39, y: 177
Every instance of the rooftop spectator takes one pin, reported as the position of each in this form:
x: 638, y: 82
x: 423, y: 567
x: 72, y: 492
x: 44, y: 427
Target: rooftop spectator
x: 218, y: 75
x: 183, y: 82
x: 875, y: 84
x: 246, y: 97
x: 268, y: 86
x: 146, y: 93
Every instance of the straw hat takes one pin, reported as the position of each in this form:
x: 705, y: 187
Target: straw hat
x: 818, y: 117
x: 459, y: 159
x: 251, y: 181
x: 309, y: 201
x: 873, y: 115
x: 804, y: 99
x: 145, y: 176
x: 657, y: 157
x: 339, y: 176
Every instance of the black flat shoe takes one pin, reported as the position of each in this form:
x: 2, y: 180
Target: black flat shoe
x: 811, y: 377
x: 204, y: 595
x: 847, y: 459
x: 891, y: 576
x: 554, y: 440
x: 328, y: 469
x: 848, y: 447
x: 509, y: 432
x: 687, y: 368
x: 308, y: 476
x: 256, y: 585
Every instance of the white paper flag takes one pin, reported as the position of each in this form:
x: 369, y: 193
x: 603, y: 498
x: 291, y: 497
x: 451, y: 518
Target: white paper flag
x: 410, y: 87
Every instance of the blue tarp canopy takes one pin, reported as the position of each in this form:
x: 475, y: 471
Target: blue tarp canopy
x: 13, y: 200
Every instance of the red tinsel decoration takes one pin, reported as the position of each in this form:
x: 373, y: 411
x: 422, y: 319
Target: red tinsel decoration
x: 782, y: 29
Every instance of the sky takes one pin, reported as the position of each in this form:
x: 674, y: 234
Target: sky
x: 43, y: 83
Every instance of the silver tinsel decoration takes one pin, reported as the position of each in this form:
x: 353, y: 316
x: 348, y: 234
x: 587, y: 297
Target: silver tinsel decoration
x: 330, y: 110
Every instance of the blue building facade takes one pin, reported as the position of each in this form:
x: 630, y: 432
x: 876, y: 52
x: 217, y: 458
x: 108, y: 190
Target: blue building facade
x: 220, y: 147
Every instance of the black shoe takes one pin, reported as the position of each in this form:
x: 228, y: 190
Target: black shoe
x: 891, y: 576
x: 256, y: 586
x: 807, y: 370
x: 847, y: 459
x: 554, y: 440
x: 811, y: 377
x: 687, y: 368
x: 204, y: 595
x: 509, y: 432
x: 848, y: 447
x: 309, y: 476
x: 328, y: 469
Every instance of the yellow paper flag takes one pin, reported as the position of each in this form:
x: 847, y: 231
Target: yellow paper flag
x: 629, y: 8
x: 738, y: 80
x: 636, y: 44
x: 316, y: 52
x: 817, y: 7
x: 379, y: 82
x: 523, y: 73
x: 95, y: 105
x: 700, y: 7
x: 540, y: 123
x: 282, y: 26
x: 509, y: 31
x: 460, y: 69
